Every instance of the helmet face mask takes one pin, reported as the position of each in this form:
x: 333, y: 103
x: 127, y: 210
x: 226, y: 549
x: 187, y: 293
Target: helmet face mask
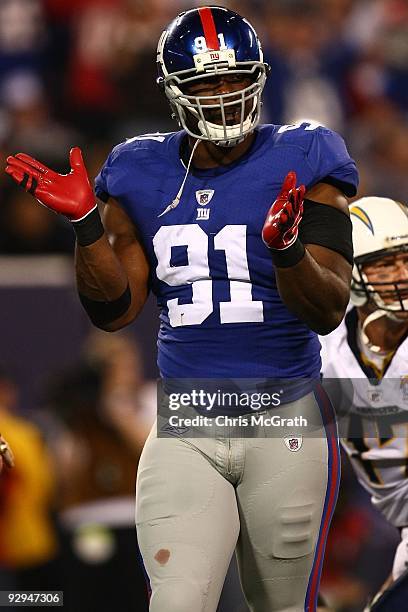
x: 380, y: 239
x: 389, y: 295
x: 199, y: 106
x: 209, y: 117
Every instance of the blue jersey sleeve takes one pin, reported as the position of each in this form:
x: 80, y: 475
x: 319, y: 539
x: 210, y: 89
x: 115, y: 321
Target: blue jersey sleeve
x: 101, y: 183
x: 109, y: 175
x: 134, y: 162
x: 331, y: 162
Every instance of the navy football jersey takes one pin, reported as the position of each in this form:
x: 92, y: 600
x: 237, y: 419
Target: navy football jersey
x: 221, y: 313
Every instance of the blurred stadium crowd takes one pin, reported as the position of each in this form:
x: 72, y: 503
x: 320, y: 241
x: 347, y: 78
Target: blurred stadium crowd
x: 82, y: 72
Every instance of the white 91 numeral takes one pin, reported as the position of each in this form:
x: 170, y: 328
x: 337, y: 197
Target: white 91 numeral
x: 201, y: 44
x: 231, y: 239
x: 308, y: 126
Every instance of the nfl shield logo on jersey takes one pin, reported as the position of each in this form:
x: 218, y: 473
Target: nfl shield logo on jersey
x: 204, y: 196
x: 293, y: 443
x: 374, y: 395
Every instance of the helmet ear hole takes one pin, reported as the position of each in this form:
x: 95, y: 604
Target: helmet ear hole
x: 358, y: 299
x: 358, y: 295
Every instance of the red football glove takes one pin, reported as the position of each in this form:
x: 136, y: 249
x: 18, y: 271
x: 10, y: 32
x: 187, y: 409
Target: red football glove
x: 280, y: 229
x: 69, y: 194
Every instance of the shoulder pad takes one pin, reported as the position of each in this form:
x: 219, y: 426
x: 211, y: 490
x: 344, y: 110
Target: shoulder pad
x: 146, y: 142
x: 300, y: 133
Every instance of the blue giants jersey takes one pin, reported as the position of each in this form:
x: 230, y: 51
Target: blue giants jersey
x: 221, y: 313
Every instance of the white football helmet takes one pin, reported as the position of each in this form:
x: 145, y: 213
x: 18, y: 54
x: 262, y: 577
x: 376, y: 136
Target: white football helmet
x: 380, y: 228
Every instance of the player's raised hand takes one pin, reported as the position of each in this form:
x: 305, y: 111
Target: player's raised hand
x: 6, y: 454
x: 69, y: 194
x: 280, y: 229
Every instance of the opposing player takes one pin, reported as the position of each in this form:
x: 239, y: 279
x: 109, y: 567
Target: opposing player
x: 368, y: 353
x: 243, y: 293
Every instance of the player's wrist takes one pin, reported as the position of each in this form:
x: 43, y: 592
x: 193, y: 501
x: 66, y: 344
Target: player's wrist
x: 89, y: 227
x: 289, y: 256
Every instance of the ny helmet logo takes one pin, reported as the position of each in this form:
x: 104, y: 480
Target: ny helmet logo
x: 204, y: 196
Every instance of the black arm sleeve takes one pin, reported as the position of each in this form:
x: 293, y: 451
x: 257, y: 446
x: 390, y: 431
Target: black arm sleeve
x: 328, y: 227
x: 103, y: 313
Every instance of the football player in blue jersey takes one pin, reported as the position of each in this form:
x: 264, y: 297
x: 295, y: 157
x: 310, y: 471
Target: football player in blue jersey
x: 244, y: 288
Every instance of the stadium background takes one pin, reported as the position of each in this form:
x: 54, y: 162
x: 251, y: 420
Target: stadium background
x: 82, y: 72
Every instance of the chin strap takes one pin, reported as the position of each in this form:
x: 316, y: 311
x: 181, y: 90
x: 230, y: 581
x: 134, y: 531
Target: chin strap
x: 176, y: 201
x: 377, y: 314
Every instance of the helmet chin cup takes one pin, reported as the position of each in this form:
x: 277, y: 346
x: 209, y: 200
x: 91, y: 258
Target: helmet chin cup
x: 228, y: 137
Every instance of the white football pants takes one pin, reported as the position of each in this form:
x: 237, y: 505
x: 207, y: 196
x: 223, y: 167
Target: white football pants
x: 199, y: 499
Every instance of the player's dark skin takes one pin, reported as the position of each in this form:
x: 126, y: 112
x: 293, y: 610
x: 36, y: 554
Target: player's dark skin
x: 316, y: 289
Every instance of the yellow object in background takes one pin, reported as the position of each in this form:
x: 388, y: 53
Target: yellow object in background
x: 27, y: 535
